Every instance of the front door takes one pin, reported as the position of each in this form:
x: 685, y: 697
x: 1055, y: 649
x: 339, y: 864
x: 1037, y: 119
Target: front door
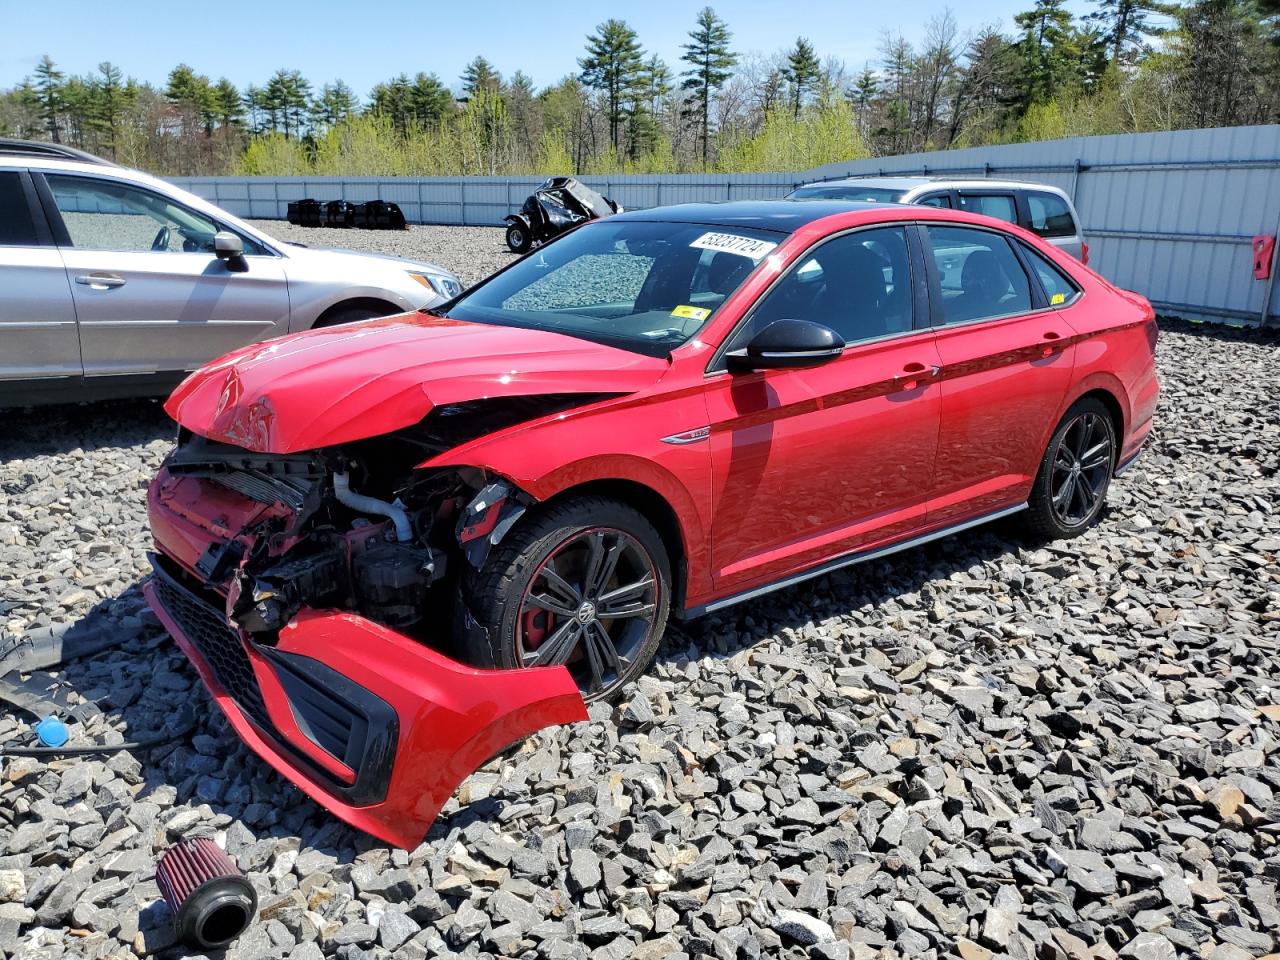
x: 813, y: 463
x: 150, y: 294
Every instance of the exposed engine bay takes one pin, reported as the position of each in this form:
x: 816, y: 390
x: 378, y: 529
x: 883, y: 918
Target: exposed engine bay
x: 356, y: 527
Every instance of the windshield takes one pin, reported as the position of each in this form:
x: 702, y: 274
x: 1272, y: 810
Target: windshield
x: 645, y: 287
x: 846, y: 191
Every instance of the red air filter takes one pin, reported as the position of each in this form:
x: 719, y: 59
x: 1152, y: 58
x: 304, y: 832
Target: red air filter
x: 212, y: 901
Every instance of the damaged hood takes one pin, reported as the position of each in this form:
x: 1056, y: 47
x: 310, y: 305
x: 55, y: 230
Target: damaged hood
x: 346, y: 383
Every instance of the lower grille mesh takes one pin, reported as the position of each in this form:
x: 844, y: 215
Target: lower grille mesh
x: 218, y: 644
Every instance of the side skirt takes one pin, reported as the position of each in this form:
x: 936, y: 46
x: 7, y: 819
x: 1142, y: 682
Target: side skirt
x: 848, y: 560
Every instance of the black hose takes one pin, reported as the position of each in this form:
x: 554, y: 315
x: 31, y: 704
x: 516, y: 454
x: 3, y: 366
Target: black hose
x: 69, y: 751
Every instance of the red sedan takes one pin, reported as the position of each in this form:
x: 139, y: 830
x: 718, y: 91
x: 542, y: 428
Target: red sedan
x: 395, y: 547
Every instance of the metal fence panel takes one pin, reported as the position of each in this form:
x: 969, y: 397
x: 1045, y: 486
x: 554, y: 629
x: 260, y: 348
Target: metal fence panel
x: 1170, y: 214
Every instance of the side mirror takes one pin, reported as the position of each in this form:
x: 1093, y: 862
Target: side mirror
x: 788, y: 343
x: 229, y: 248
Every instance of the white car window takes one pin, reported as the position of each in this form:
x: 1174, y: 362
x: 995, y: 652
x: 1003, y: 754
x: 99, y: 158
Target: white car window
x: 1050, y: 215
x: 104, y: 215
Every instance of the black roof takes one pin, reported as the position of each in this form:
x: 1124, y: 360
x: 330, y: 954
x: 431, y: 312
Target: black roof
x: 38, y: 148
x: 782, y: 216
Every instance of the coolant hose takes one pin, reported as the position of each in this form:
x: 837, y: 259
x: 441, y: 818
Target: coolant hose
x: 379, y: 508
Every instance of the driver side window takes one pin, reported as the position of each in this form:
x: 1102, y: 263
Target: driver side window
x: 105, y: 215
x: 859, y: 285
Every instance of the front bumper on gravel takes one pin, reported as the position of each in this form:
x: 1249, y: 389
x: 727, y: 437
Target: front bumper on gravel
x: 372, y: 725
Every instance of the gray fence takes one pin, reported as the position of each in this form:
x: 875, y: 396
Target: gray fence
x: 474, y: 201
x: 1171, y: 215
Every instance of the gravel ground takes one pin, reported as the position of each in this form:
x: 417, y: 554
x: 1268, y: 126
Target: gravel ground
x: 471, y: 252
x: 981, y: 747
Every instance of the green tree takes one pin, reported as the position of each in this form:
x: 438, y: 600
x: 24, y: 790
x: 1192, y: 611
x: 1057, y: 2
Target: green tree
x: 613, y: 66
x: 480, y: 74
x: 48, y: 87
x: 430, y: 102
x: 801, y: 72
x: 862, y: 95
x: 1126, y: 26
x: 1049, y: 55
x: 228, y: 108
x: 710, y: 66
x: 287, y: 98
x: 336, y: 104
x: 109, y: 103
x: 191, y: 93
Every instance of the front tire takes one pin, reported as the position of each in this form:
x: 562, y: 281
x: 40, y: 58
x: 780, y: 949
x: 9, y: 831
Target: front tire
x: 1070, y: 490
x: 585, y: 583
x: 519, y: 238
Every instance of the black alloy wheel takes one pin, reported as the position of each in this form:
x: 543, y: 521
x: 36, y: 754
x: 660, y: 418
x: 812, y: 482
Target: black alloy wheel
x: 1070, y: 488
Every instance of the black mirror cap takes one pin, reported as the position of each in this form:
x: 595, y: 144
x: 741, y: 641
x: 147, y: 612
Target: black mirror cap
x: 788, y: 343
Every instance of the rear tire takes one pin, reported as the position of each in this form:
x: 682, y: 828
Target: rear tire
x: 544, y: 594
x: 1071, y: 485
x: 519, y: 238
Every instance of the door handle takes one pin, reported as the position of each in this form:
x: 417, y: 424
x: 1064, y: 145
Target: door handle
x: 910, y: 374
x: 1050, y: 338
x: 100, y: 281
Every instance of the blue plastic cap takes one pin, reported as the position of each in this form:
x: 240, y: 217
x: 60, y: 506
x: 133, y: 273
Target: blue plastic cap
x: 52, y: 732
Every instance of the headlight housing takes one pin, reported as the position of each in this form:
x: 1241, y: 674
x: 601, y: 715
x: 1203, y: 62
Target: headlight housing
x: 447, y: 287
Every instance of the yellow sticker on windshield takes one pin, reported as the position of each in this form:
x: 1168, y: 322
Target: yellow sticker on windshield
x: 1058, y: 298
x: 686, y: 312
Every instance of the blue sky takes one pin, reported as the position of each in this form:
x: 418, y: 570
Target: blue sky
x: 366, y: 42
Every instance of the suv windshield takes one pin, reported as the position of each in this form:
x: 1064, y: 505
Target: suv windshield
x: 846, y: 191
x: 642, y: 286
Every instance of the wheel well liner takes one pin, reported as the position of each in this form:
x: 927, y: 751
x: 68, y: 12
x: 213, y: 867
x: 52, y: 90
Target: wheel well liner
x: 357, y: 303
x: 1116, y: 412
x: 656, y: 510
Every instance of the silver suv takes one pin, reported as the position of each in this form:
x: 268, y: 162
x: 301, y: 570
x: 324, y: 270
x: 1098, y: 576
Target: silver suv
x: 1044, y: 210
x: 115, y: 283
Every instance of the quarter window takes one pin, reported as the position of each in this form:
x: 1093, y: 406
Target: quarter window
x: 998, y: 205
x: 16, y: 226
x: 1058, y: 289
x: 979, y: 275
x: 937, y: 200
x: 103, y: 215
x: 859, y: 285
x: 1050, y: 215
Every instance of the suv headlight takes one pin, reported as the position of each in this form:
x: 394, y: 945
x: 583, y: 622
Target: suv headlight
x: 447, y: 287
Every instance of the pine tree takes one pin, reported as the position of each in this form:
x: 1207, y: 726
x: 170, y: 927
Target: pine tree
x: 711, y: 62
x: 480, y: 75
x: 801, y: 72
x: 1049, y: 54
x: 49, y: 87
x: 227, y: 105
x: 337, y: 102
x: 613, y: 66
x: 110, y: 97
x: 431, y: 103
x: 1126, y: 26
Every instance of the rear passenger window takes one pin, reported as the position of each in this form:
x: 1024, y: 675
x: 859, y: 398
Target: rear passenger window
x: 1050, y: 215
x: 1000, y: 205
x: 16, y: 226
x: 937, y: 200
x: 979, y: 274
x: 1058, y: 288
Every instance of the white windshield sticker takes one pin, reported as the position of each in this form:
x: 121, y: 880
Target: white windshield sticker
x: 732, y: 243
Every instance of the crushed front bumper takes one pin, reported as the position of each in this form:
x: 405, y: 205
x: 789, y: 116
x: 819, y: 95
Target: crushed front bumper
x: 372, y: 725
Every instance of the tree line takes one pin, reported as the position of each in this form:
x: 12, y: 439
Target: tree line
x: 1124, y: 66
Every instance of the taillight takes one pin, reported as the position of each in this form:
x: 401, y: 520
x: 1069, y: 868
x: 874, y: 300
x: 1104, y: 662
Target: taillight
x: 1152, y: 331
x: 1084, y: 254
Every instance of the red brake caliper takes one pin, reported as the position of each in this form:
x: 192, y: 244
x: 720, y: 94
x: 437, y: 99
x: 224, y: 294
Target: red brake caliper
x: 535, y: 624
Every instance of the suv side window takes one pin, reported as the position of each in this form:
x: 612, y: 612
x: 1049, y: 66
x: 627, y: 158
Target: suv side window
x: 107, y: 215
x: 1050, y: 215
x: 1059, y: 289
x: 998, y: 205
x: 858, y: 284
x: 17, y: 229
x: 935, y: 200
x: 979, y: 274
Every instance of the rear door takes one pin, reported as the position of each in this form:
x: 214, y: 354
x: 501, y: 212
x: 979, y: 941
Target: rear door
x: 37, y: 317
x: 1007, y: 359
x: 1051, y: 217
x: 150, y: 295
x: 1001, y: 204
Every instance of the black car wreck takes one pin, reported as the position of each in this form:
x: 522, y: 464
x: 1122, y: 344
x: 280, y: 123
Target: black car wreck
x: 560, y: 204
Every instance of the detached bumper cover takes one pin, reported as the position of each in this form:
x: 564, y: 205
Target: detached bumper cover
x: 370, y: 724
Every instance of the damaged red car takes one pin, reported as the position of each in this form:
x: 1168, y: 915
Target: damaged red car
x: 393, y: 548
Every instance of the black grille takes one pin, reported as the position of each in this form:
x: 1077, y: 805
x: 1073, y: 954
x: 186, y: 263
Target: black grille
x: 218, y: 644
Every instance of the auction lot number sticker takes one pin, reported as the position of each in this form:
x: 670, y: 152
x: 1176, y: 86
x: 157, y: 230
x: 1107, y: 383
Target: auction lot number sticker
x: 732, y: 243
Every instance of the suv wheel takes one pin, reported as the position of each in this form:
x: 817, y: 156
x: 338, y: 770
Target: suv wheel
x: 585, y: 583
